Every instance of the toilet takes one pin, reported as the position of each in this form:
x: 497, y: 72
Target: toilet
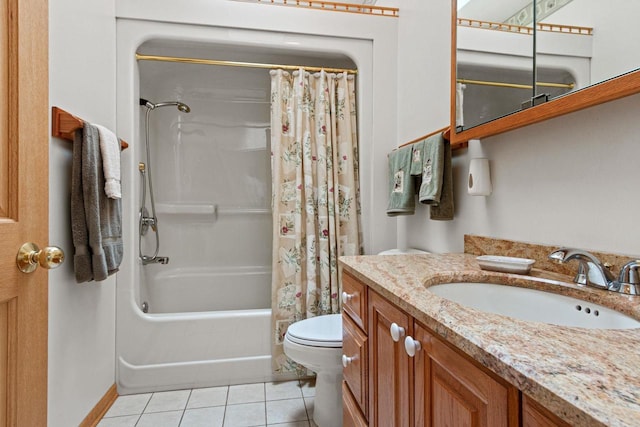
x: 316, y: 343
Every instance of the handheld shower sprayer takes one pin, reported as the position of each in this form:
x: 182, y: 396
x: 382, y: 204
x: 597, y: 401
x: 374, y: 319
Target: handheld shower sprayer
x: 149, y: 220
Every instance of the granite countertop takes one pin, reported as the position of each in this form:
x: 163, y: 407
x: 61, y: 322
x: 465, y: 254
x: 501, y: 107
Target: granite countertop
x: 585, y: 376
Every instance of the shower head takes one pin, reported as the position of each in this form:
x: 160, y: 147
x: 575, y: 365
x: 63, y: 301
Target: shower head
x: 182, y: 107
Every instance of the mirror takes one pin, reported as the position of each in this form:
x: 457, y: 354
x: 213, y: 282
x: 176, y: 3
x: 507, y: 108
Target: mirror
x: 580, y: 47
x: 495, y: 63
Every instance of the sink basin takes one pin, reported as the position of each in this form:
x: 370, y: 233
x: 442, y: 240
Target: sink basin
x: 533, y: 305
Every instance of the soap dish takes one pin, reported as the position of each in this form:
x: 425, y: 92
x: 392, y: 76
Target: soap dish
x: 505, y: 264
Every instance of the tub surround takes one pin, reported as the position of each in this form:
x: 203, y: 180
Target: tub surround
x: 584, y: 376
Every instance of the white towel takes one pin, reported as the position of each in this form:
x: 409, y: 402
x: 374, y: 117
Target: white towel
x: 110, y: 151
x: 460, y: 104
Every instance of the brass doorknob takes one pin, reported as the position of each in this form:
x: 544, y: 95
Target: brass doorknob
x: 30, y: 256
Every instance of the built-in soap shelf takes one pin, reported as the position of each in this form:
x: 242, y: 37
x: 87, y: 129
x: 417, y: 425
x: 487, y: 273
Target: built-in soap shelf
x: 182, y: 209
x: 206, y: 209
x: 243, y: 211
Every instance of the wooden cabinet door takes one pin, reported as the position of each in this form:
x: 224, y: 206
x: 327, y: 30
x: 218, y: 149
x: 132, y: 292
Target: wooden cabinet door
x: 354, y: 349
x: 452, y: 391
x: 354, y: 300
x: 351, y: 416
x: 24, y: 166
x: 535, y: 415
x: 390, y: 368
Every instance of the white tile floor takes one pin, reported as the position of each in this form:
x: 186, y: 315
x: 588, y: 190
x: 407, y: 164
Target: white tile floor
x: 283, y: 404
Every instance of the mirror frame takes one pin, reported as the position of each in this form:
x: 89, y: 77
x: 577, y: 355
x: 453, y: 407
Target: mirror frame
x: 609, y: 90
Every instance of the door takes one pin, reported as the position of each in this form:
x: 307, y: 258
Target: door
x: 451, y: 391
x: 391, y: 369
x: 24, y: 158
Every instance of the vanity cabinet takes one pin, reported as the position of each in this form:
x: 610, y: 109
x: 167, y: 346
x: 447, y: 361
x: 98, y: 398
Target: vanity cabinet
x: 398, y: 373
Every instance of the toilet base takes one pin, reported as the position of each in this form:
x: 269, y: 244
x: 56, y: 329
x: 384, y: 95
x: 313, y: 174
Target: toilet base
x: 324, y: 359
x: 327, y: 406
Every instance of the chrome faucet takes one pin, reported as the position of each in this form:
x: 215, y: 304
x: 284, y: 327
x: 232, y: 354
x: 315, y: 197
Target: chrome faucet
x: 591, y: 272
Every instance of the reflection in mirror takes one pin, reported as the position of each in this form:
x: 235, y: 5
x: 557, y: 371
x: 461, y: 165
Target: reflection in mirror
x: 611, y: 48
x: 578, y: 43
x: 495, y: 44
x: 496, y: 68
x: 571, y: 58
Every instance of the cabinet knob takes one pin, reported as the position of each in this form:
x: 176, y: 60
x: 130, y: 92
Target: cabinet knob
x: 347, y: 297
x: 346, y: 360
x: 397, y: 332
x: 411, y: 346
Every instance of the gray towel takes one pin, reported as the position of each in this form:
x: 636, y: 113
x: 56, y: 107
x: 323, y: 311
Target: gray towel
x: 79, y: 232
x: 99, y: 225
x: 444, y: 210
x: 401, y: 184
x: 432, y: 170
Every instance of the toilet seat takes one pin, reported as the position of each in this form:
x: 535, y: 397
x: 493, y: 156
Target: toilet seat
x: 319, y: 331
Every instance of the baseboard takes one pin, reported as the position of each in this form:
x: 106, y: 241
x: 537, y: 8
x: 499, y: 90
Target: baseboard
x: 101, y: 408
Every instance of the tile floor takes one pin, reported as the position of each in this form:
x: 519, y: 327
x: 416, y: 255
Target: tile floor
x: 282, y: 404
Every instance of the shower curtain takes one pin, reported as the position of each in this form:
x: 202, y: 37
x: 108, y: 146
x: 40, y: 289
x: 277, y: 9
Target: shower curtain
x: 316, y: 207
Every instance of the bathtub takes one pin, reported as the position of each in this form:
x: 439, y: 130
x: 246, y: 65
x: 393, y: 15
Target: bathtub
x: 182, y: 290
x: 209, y: 315
x: 189, y: 338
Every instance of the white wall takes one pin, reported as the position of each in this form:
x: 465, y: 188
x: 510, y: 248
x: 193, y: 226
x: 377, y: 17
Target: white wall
x: 569, y: 181
x: 81, y: 317
x: 424, y: 49
x: 424, y: 43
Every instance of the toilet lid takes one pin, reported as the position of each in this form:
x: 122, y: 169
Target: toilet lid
x: 319, y: 331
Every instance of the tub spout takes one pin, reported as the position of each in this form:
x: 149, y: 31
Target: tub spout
x: 155, y: 260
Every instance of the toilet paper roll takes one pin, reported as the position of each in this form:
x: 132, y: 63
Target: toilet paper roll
x: 479, y: 177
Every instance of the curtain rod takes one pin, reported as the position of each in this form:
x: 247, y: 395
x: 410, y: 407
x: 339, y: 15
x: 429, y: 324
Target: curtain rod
x: 141, y: 57
x: 516, y: 86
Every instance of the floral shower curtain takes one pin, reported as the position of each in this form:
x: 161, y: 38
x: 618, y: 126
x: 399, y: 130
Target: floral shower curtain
x: 316, y: 207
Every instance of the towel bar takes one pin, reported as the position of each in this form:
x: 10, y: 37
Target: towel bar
x: 446, y: 134
x: 64, y: 124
